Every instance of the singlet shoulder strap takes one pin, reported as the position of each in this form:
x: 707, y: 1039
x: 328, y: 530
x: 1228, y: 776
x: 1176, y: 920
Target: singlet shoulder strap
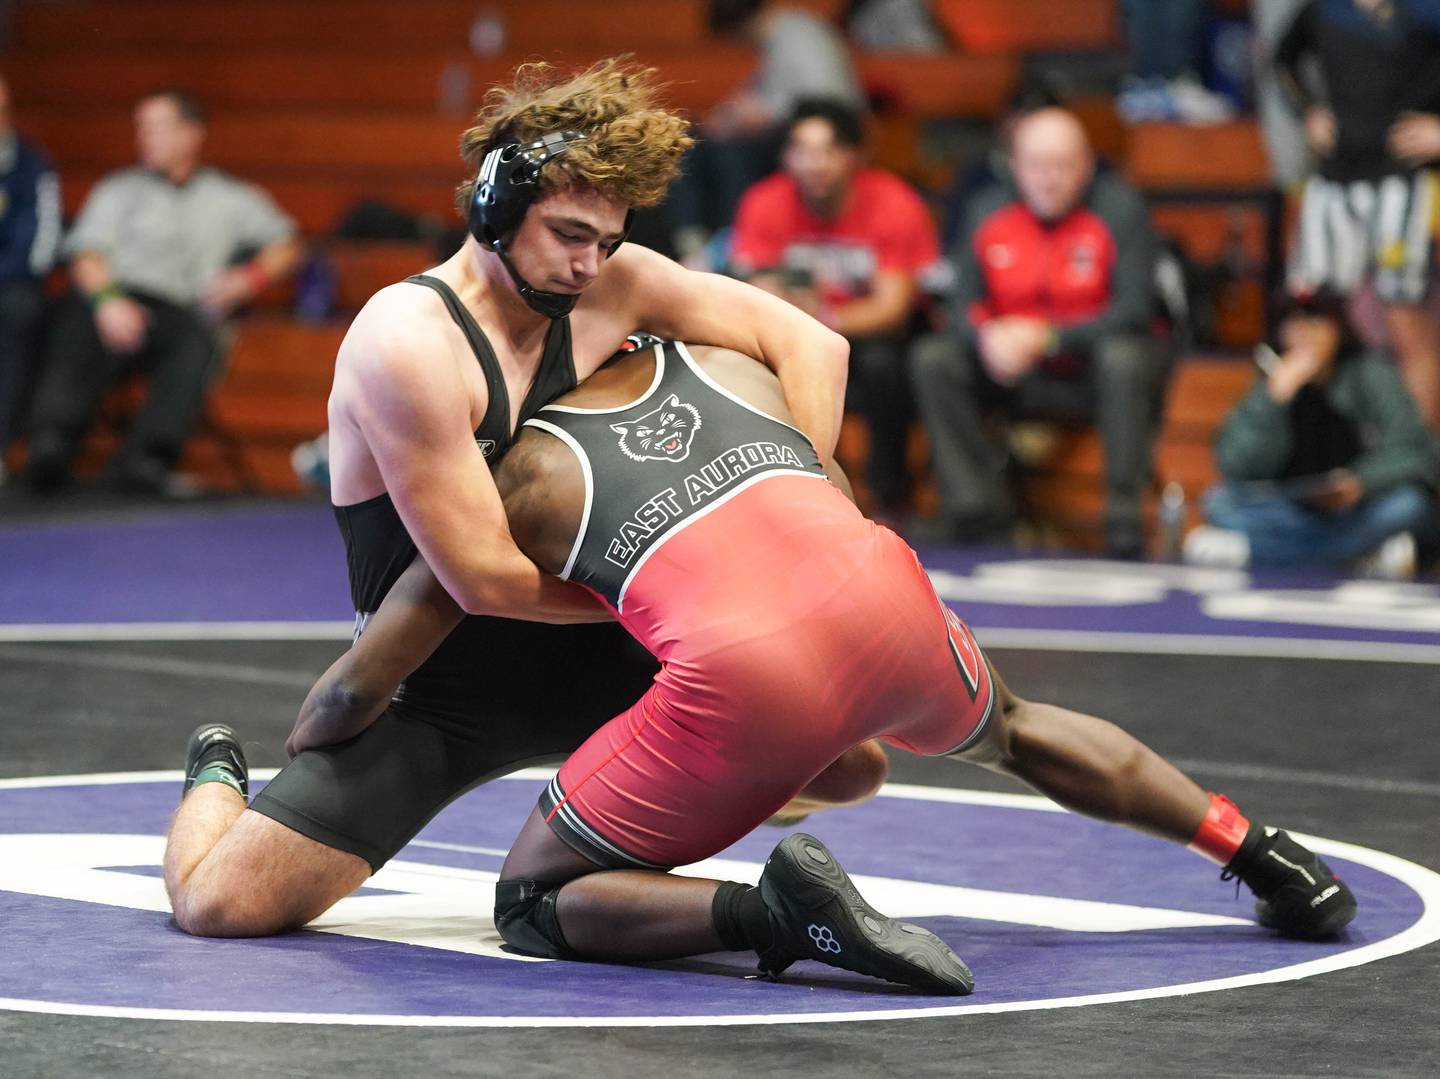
x: 556, y: 375
x: 479, y: 343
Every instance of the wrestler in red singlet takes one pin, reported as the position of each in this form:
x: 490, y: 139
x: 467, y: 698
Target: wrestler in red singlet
x: 789, y: 627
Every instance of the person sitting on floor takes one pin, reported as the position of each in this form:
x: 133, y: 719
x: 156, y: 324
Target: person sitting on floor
x: 1326, y: 460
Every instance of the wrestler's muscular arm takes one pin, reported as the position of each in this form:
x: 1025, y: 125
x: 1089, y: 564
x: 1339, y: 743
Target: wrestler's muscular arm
x: 401, y: 389
x: 416, y: 616
x: 398, y: 389
x: 543, y: 491
x: 810, y: 360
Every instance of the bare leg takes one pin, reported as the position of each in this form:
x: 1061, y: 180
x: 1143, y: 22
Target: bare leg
x: 1083, y: 763
x: 1417, y: 346
x: 623, y: 915
x: 231, y: 872
x: 1091, y: 767
x: 659, y: 916
x: 634, y: 915
x: 855, y: 777
x: 203, y: 816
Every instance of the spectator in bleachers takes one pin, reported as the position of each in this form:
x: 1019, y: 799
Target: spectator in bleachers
x: 1325, y: 460
x: 845, y: 243
x: 1369, y: 214
x: 1050, y: 319
x: 161, y: 256
x: 801, y: 56
x: 29, y: 238
x: 993, y: 168
x: 893, y: 26
x: 1168, y: 44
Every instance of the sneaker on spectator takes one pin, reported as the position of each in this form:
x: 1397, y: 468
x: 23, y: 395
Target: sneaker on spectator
x: 1193, y: 104
x: 311, y: 462
x: 1394, y: 560
x: 1207, y: 545
x: 1143, y: 101
x: 149, y: 477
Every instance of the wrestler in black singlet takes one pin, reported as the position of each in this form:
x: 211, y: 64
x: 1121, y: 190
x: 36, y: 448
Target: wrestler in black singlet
x: 497, y: 695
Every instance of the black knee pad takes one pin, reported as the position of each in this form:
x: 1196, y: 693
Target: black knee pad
x: 527, y: 920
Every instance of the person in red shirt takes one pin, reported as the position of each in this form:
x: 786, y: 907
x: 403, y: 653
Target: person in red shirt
x: 845, y: 243
x: 1050, y: 318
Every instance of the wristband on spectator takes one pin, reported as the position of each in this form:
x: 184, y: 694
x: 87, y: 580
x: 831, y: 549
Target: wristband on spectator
x: 106, y: 292
x: 256, y: 276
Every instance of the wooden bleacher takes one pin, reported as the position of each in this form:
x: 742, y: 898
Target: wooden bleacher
x: 1067, y: 491
x: 1062, y: 485
x: 331, y: 102
x: 1031, y: 25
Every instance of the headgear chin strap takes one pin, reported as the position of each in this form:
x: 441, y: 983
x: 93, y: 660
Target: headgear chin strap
x: 507, y: 185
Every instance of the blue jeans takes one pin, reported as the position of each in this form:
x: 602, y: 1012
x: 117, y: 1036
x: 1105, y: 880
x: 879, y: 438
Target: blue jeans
x: 1286, y: 533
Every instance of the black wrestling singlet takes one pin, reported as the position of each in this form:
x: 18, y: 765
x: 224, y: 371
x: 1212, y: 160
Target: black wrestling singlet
x: 456, y: 685
x: 377, y: 547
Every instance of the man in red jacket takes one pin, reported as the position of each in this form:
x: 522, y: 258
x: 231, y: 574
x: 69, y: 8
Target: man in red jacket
x: 1053, y: 297
x: 846, y: 243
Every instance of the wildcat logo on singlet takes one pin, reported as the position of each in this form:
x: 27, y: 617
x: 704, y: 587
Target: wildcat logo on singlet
x: 662, y: 435
x: 700, y: 486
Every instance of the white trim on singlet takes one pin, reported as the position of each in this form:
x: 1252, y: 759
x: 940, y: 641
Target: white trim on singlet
x: 584, y: 458
x: 654, y: 382
x: 699, y: 371
x: 981, y: 728
x: 688, y: 521
x: 571, y: 817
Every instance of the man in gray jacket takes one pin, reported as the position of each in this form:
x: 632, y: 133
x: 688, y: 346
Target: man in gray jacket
x: 162, y: 254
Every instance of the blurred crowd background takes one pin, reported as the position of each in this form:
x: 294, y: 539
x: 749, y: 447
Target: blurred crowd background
x: 1149, y: 277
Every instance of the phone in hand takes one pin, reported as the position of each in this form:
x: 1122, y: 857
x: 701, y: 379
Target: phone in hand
x: 1266, y: 358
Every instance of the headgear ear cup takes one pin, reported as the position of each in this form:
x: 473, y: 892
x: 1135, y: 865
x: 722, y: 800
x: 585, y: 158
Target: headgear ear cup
x: 505, y: 187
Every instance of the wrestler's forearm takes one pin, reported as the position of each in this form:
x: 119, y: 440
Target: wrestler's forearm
x: 812, y: 377
x: 517, y: 588
x: 810, y: 360
x: 337, y: 709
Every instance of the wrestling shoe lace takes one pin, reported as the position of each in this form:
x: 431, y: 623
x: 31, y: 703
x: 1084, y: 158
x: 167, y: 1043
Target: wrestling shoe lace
x: 1296, y: 893
x: 214, y: 747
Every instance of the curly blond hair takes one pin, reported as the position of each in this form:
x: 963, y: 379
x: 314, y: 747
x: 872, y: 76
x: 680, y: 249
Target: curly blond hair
x: 634, y: 146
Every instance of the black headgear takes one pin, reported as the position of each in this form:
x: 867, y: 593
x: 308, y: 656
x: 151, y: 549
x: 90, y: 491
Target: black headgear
x: 508, y: 183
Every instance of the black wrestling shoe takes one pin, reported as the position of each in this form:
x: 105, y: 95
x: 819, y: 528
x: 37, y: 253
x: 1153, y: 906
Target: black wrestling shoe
x: 215, y: 748
x: 1296, y: 894
x: 816, y: 913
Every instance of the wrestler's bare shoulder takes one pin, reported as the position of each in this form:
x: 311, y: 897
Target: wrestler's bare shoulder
x: 745, y: 376
x: 397, y: 334
x: 715, y: 358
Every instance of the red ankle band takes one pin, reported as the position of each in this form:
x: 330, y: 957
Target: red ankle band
x: 1221, y: 832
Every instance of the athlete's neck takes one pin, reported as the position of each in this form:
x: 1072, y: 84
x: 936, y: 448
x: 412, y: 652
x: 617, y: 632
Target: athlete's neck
x: 483, y: 285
